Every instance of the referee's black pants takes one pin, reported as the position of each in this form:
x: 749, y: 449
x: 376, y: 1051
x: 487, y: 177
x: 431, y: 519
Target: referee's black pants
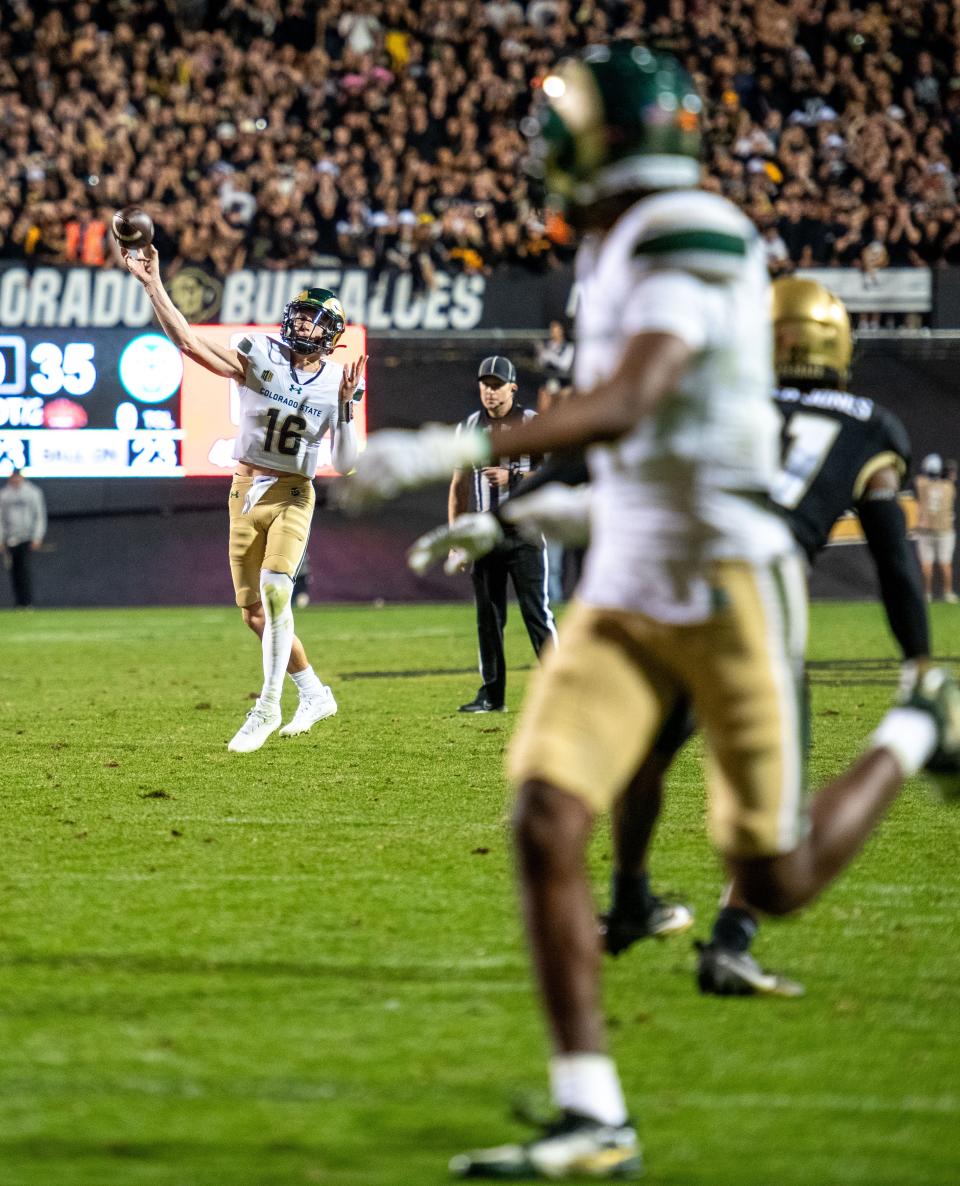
x: 526, y: 565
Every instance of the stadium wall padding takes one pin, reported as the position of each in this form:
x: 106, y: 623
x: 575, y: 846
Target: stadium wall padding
x: 163, y: 542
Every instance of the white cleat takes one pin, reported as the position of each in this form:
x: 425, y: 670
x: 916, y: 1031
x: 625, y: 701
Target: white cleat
x: 310, y: 710
x: 255, y: 730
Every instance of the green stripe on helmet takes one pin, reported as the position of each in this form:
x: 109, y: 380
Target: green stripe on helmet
x: 319, y: 298
x: 693, y: 240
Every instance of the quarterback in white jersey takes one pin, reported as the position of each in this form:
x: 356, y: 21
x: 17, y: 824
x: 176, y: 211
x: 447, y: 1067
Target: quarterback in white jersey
x: 693, y: 585
x: 292, y: 394
x: 287, y: 410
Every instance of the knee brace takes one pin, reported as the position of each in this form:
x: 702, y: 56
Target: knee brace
x: 276, y: 593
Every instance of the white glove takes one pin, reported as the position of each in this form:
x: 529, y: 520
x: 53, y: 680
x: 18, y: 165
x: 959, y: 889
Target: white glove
x: 456, y: 563
x: 398, y: 460
x: 561, y: 513
x: 467, y: 538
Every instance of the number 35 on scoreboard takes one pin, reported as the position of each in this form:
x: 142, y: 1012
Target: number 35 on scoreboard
x: 68, y: 367
x: 210, y: 407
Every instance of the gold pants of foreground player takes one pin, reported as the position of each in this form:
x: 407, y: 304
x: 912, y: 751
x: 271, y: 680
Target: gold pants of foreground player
x: 601, y: 697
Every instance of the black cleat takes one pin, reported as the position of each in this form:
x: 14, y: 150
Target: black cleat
x: 723, y: 972
x: 621, y: 930
x: 482, y: 704
x: 573, y: 1146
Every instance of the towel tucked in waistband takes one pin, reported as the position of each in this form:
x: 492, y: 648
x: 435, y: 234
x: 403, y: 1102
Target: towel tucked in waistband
x: 258, y: 488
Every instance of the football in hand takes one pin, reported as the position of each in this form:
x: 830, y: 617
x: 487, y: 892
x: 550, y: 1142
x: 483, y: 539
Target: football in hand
x: 133, y: 227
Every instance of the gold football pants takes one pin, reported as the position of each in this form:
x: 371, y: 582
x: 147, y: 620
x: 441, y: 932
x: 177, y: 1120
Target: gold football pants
x: 598, y: 702
x: 272, y: 535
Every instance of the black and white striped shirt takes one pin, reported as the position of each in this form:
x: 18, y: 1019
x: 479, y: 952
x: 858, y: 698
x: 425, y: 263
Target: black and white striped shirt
x: 484, y: 496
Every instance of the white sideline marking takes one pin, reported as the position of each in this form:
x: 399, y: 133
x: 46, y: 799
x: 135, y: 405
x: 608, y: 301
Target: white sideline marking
x: 150, y: 632
x: 343, y: 821
x: 944, y: 1105
x: 708, y: 1101
x: 194, y: 883
x: 213, y: 964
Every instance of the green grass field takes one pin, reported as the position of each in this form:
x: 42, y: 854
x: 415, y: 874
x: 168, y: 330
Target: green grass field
x: 304, y: 966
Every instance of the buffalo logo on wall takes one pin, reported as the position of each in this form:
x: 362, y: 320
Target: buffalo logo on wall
x: 196, y: 294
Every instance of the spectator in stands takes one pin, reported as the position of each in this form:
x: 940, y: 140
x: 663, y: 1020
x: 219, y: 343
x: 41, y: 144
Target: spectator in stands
x: 85, y: 237
x: 849, y: 237
x: 359, y: 28
x: 502, y: 13
x: 797, y: 232
x: 924, y: 88
x: 9, y: 248
x: 933, y: 232
x: 778, y: 257
x: 45, y: 241
x: 829, y: 119
x: 903, y: 237
x: 875, y: 255
x: 461, y: 229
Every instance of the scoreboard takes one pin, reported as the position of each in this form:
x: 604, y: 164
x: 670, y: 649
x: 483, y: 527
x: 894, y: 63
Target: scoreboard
x: 90, y: 403
x: 121, y: 403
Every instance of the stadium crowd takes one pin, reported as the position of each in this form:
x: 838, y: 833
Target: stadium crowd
x: 390, y: 134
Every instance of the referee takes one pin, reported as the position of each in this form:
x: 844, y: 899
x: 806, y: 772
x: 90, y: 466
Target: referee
x: 525, y: 563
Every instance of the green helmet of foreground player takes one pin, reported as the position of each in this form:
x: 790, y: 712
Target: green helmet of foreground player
x: 618, y: 119
x: 326, y: 315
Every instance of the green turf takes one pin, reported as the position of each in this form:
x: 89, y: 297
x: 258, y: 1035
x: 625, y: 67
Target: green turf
x: 304, y: 965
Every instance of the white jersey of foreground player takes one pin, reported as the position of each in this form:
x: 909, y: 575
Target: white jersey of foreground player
x: 285, y: 412
x: 687, y: 485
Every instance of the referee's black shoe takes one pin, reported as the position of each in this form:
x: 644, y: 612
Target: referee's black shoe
x: 481, y: 704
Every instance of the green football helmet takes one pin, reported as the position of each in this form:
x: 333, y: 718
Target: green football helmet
x: 326, y: 313
x: 618, y: 119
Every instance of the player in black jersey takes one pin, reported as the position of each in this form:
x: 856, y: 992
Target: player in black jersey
x: 867, y: 459
x: 840, y: 452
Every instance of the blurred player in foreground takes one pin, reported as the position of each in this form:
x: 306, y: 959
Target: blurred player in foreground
x: 692, y: 585
x: 291, y: 394
x: 839, y: 451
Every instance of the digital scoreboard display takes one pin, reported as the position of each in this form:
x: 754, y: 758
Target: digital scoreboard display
x: 90, y: 403
x: 121, y: 403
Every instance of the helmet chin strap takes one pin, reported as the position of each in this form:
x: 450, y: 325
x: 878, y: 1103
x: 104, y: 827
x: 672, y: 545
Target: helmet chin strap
x: 306, y: 346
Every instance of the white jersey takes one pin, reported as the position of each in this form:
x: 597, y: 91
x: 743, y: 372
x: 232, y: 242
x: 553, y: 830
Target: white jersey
x: 689, y: 483
x: 284, y: 412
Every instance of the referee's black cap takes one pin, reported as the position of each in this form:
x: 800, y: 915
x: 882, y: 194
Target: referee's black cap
x: 498, y: 367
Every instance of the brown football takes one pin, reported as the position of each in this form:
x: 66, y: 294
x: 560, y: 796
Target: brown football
x: 133, y: 227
